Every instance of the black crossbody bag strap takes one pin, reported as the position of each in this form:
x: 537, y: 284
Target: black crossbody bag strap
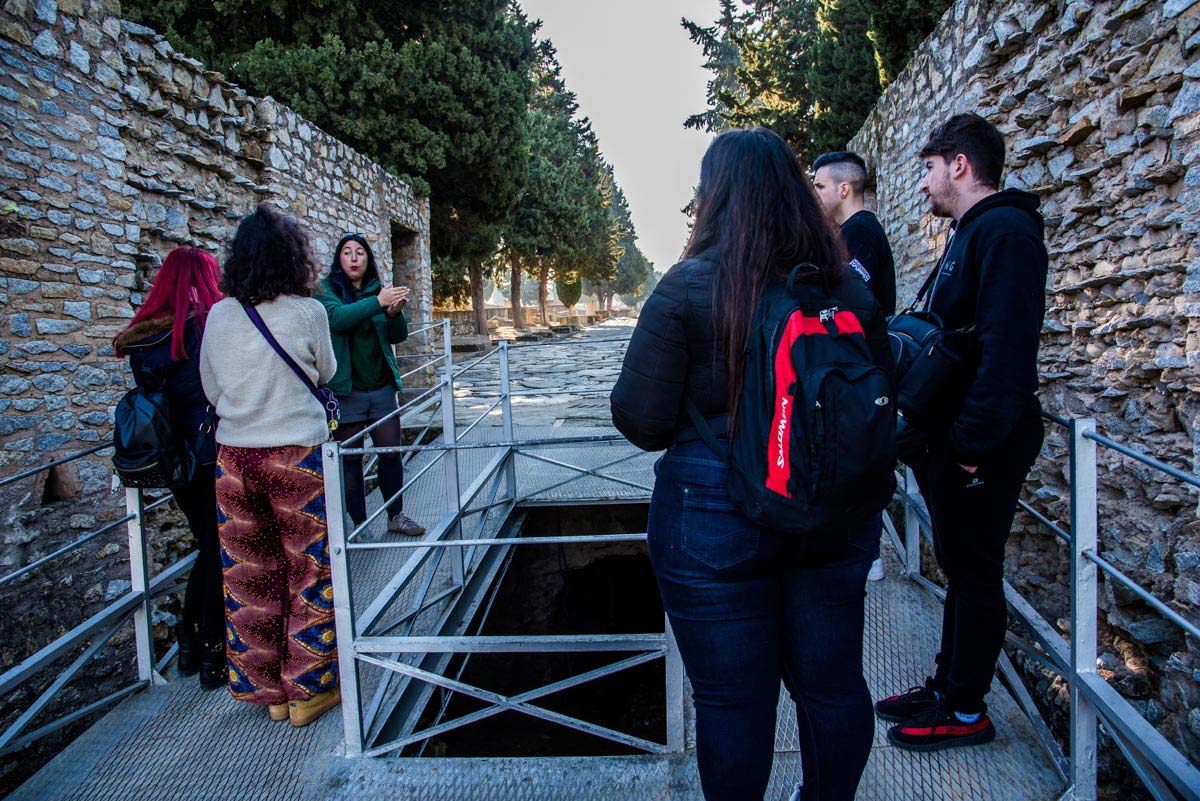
x: 924, y: 288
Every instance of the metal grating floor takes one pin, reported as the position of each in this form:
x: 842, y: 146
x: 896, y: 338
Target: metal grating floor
x: 177, y: 742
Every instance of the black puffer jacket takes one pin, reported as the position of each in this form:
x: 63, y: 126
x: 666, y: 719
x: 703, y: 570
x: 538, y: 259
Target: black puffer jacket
x: 676, y: 352
x: 148, y: 346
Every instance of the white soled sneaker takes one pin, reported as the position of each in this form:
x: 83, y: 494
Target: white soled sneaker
x: 403, y: 524
x: 876, y: 573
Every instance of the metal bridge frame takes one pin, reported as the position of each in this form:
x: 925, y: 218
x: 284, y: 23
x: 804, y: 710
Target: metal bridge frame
x: 360, y: 644
x: 476, y: 558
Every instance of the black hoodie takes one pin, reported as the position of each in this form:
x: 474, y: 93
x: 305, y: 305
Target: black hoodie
x: 993, y: 274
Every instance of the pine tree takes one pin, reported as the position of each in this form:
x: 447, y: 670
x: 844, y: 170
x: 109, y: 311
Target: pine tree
x: 810, y: 70
x: 436, y: 91
x: 769, y: 85
x: 897, y: 28
x: 844, y: 78
x: 721, y: 57
x: 559, y: 226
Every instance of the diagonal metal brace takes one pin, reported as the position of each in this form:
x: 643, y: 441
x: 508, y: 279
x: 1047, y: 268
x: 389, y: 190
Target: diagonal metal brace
x: 504, y: 703
x: 583, y: 472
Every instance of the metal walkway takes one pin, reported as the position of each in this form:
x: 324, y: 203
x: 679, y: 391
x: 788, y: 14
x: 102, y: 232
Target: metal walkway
x: 405, y: 609
x: 178, y: 742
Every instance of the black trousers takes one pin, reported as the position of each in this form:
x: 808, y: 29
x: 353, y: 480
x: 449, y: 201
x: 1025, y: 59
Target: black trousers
x: 203, y: 600
x: 972, y: 516
x: 390, y: 468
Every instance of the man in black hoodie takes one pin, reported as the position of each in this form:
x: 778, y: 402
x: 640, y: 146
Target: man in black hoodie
x: 992, y: 275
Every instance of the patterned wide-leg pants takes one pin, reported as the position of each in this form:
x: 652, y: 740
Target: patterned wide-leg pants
x: 279, y: 628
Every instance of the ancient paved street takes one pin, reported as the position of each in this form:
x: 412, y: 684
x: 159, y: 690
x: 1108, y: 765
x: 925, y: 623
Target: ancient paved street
x: 574, y: 367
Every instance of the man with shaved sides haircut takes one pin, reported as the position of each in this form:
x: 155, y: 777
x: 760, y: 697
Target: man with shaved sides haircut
x: 840, y: 179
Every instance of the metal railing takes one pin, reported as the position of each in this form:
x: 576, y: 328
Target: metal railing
x: 1165, y: 772
x: 98, y: 629
x: 403, y: 630
x: 418, y: 605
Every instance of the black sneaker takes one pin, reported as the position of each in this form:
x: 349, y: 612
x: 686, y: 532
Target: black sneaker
x: 908, y: 704
x: 937, y: 728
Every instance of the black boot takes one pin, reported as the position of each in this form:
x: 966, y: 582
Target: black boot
x: 189, y: 650
x: 213, y: 672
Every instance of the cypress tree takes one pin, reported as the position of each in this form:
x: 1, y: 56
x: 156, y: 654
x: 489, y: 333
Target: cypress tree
x: 436, y: 91
x: 844, y: 77
x: 897, y: 28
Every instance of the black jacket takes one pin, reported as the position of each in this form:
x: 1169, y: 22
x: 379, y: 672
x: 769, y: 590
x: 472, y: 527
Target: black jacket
x: 676, y: 352
x: 148, y: 346
x: 993, y: 275
x: 868, y: 245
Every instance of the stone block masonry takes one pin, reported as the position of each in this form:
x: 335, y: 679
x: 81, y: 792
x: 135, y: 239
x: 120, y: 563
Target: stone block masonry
x: 1099, y: 103
x: 114, y: 149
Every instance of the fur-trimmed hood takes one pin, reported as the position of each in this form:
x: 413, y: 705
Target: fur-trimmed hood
x: 132, y: 336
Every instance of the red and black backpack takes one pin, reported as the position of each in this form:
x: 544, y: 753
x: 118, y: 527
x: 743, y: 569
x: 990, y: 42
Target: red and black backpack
x: 814, y: 448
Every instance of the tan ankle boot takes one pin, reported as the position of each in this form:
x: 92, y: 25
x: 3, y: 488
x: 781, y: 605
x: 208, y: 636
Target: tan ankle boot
x: 303, y: 713
x: 279, y: 711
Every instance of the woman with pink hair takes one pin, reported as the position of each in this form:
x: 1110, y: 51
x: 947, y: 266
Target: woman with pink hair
x: 163, y: 345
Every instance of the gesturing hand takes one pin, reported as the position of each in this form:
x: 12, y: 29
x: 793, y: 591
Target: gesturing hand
x: 390, y: 295
x: 394, y: 309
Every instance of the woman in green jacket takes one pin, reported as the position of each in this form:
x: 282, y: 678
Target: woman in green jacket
x: 365, y: 320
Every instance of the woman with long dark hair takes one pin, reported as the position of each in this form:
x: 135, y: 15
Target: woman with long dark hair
x: 162, y: 342
x: 280, y: 636
x: 748, y: 605
x: 365, y: 320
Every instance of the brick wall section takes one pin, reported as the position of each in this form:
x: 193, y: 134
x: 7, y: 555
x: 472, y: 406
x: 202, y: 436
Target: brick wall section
x: 1099, y: 103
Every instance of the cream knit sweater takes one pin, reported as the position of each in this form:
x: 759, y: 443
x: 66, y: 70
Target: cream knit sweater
x: 261, y: 403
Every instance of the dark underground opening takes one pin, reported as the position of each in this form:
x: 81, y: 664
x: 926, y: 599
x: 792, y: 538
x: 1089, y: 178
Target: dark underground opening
x: 564, y: 589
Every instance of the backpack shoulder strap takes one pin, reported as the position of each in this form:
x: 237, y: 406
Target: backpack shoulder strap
x: 261, y: 325
x: 704, y: 429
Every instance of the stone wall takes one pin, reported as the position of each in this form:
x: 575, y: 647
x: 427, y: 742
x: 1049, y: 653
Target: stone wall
x: 1099, y: 103
x: 113, y: 150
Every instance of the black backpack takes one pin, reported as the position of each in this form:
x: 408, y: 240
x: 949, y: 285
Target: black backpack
x: 146, y: 452
x: 815, y: 443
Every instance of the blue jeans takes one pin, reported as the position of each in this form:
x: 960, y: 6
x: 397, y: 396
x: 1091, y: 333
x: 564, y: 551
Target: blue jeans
x: 747, y: 612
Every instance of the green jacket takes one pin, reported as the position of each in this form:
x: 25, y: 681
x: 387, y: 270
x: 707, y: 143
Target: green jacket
x: 345, y: 317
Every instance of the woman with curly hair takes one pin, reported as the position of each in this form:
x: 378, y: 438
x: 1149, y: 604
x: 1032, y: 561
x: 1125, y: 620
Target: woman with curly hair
x: 279, y: 635
x: 162, y: 342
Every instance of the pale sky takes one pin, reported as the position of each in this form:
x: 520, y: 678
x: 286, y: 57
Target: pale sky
x: 637, y: 77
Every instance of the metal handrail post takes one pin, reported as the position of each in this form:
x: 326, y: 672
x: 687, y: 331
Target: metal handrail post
x: 450, y: 437
x: 343, y: 615
x: 506, y: 416
x: 1083, y: 607
x: 676, y: 702
x: 912, y: 529
x: 139, y: 581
